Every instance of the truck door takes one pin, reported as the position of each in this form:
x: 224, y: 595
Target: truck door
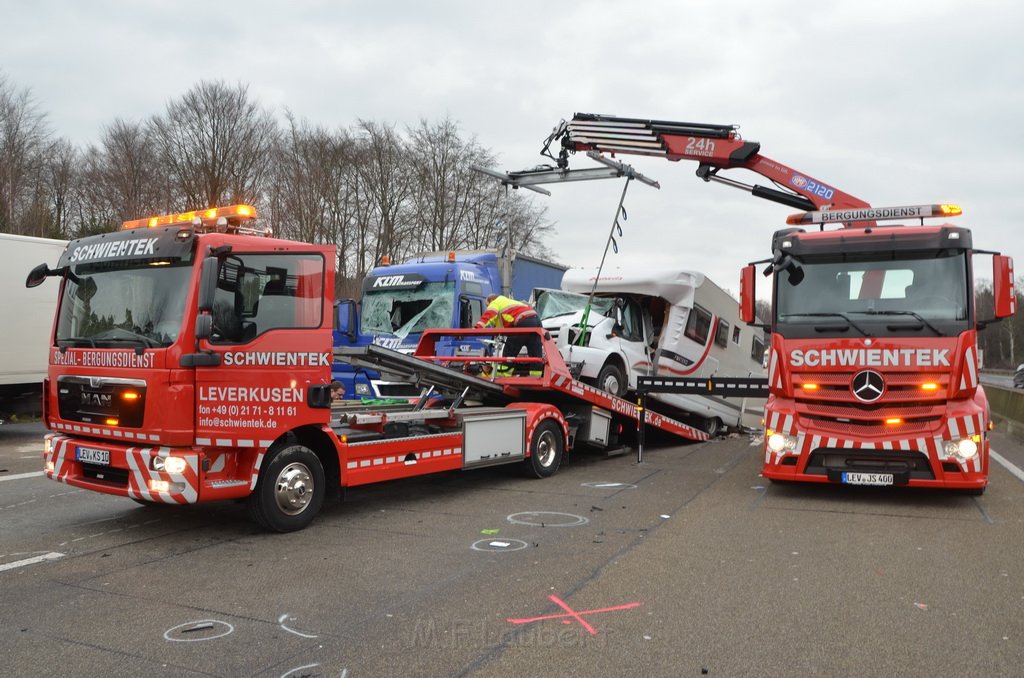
x: 274, y: 343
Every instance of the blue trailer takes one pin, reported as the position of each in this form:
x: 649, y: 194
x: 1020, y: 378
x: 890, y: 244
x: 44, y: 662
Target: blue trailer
x: 432, y: 290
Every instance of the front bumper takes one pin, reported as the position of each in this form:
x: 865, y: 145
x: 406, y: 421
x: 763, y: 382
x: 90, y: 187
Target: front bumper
x: 919, y: 461
x: 143, y: 473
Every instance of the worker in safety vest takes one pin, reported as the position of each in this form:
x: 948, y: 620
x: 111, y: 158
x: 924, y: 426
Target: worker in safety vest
x: 505, y: 312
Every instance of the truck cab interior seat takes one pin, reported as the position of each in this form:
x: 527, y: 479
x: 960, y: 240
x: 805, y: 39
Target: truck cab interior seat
x: 275, y: 311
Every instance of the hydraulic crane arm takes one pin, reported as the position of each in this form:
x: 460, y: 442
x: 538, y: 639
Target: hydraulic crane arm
x: 715, y: 147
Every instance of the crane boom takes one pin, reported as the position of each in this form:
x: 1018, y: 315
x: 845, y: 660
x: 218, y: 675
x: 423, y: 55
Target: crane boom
x: 715, y: 147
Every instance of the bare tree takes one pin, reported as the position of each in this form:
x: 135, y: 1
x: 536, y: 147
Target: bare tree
x: 216, y: 145
x: 369, y: 189
x: 314, y: 193
x: 63, y: 187
x: 121, y: 179
x: 458, y: 208
x: 445, y: 189
x: 385, y: 179
x: 24, y: 143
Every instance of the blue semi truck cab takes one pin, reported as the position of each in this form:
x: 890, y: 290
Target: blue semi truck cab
x: 435, y: 289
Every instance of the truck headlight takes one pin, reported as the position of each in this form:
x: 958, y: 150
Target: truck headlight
x: 363, y: 389
x: 168, y: 464
x: 966, y: 448
x: 175, y: 464
x: 777, y: 442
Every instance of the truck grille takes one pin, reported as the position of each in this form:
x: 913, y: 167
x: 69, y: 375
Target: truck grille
x: 900, y: 387
x: 100, y: 400
x: 833, y: 409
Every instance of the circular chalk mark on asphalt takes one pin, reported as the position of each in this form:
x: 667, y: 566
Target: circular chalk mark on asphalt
x: 547, y: 519
x: 499, y: 545
x: 610, y: 486
x: 195, y: 631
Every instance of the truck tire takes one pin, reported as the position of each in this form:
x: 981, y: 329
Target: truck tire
x: 290, y: 489
x: 713, y: 426
x: 611, y: 380
x: 545, y: 450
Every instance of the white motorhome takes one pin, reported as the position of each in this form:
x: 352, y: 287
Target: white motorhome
x: 656, y: 323
x: 28, y: 316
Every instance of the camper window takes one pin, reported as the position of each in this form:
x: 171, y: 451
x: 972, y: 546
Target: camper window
x: 757, y: 350
x: 722, y: 333
x: 736, y: 335
x: 698, y: 325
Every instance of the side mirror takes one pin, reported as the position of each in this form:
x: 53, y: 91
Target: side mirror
x: 204, y: 326
x: 783, y: 262
x: 345, y: 318
x: 37, y: 275
x: 207, y: 284
x: 747, y: 290
x: 1003, y: 288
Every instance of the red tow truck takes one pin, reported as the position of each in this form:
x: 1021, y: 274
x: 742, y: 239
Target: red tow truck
x: 873, y: 359
x: 191, y: 361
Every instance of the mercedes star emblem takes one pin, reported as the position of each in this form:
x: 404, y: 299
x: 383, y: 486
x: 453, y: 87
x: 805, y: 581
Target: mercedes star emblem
x: 868, y: 386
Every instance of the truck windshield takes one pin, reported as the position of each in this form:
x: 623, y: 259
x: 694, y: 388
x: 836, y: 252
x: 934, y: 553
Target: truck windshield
x: 404, y: 312
x: 123, y: 303
x: 892, y: 297
x: 553, y: 303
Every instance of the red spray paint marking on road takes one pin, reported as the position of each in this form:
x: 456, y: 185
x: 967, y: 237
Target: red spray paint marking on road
x: 578, y: 616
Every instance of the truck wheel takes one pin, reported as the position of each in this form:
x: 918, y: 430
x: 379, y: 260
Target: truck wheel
x: 713, y: 426
x: 545, y: 451
x: 290, y: 489
x: 611, y: 380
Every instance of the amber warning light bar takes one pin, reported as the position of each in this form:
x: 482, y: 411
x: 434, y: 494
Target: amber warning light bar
x: 874, y: 214
x: 223, y: 219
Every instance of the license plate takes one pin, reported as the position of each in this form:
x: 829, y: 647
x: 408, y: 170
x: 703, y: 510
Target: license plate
x: 868, y: 478
x: 91, y: 455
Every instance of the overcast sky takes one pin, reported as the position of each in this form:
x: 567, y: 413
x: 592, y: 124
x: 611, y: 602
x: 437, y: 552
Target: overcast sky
x: 897, y: 103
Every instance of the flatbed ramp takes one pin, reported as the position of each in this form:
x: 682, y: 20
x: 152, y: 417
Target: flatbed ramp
x: 448, y: 374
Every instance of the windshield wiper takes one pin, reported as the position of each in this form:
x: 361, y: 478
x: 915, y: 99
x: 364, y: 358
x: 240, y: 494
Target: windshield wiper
x: 71, y: 341
x: 828, y: 315
x: 137, y: 339
x: 913, y: 314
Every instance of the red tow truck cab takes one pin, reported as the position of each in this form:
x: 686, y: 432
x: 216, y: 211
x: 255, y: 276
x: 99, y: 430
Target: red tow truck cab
x: 873, y: 361
x: 191, y: 362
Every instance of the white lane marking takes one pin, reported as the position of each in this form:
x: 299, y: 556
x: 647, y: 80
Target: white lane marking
x: 31, y: 561
x: 1007, y: 464
x: 19, y: 476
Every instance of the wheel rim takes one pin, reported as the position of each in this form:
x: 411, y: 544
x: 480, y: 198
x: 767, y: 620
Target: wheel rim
x: 294, y: 489
x: 611, y: 384
x: 547, y: 448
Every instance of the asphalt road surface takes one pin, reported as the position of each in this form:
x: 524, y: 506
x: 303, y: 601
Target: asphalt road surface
x: 686, y: 564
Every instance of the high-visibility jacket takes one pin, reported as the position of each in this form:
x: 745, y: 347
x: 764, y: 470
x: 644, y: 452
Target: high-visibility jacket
x: 504, y: 312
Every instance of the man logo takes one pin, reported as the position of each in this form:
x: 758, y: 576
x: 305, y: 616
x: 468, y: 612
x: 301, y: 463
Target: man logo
x: 868, y: 386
